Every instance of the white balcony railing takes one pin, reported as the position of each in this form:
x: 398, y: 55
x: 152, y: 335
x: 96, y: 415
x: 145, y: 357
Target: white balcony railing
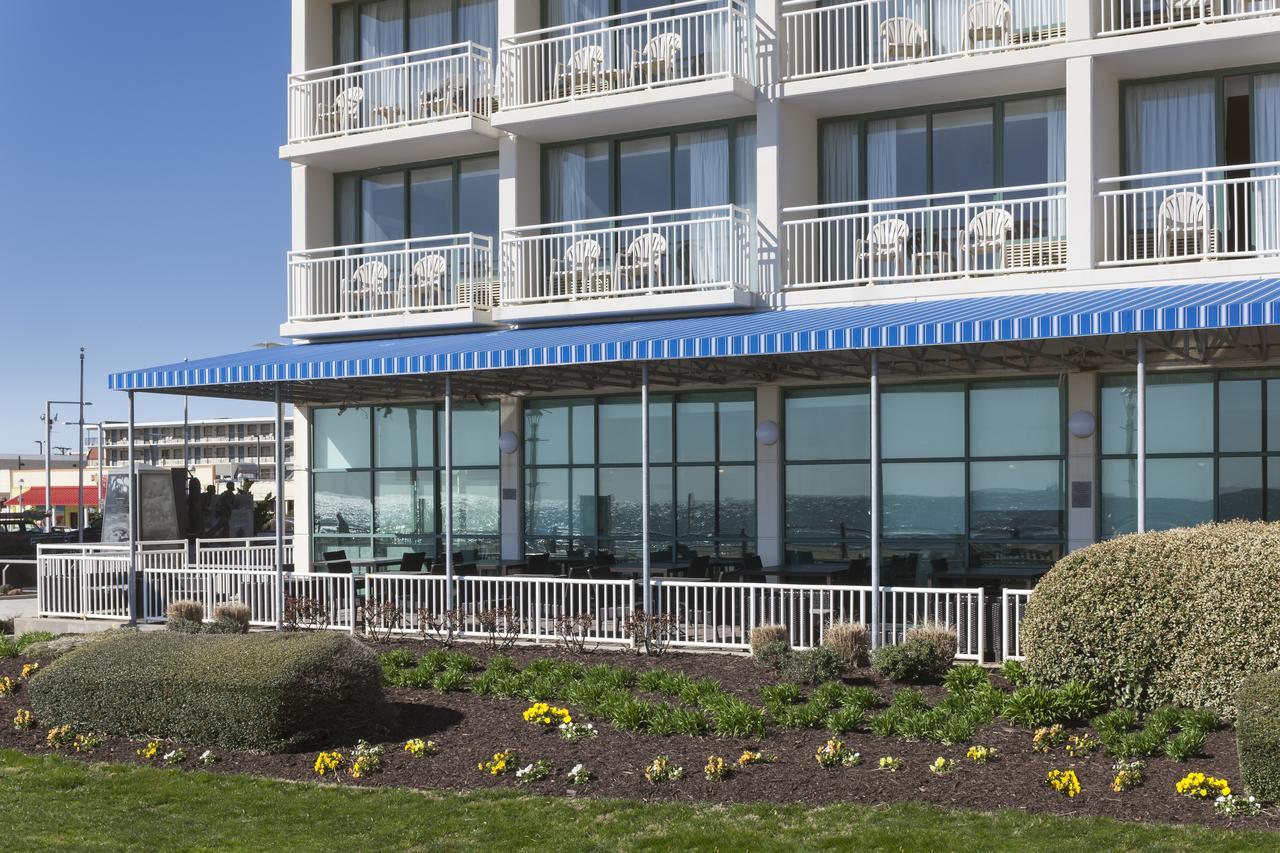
x: 1195, y: 214
x: 917, y: 238
x: 391, y: 91
x: 678, y: 43
x: 422, y: 275
x: 1131, y: 16
x: 872, y: 33
x: 708, y: 248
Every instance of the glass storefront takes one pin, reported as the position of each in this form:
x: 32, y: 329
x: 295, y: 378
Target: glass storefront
x: 582, y: 475
x: 972, y: 479
x: 378, y: 475
x: 1213, y: 449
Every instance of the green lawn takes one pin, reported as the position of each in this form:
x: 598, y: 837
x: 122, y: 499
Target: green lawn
x: 55, y: 803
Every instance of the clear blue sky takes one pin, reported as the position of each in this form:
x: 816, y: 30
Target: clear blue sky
x: 144, y: 213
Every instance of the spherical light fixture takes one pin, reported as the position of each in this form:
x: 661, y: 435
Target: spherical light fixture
x: 1081, y: 424
x: 508, y: 442
x: 767, y: 433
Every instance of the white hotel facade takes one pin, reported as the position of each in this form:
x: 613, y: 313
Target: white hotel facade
x: 898, y: 281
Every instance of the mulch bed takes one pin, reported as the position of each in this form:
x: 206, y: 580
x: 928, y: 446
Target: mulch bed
x: 470, y: 728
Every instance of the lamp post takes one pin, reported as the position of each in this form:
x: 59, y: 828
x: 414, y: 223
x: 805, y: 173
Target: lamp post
x: 49, y: 418
x: 22, y: 496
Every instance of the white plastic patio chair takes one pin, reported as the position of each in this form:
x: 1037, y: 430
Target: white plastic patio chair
x: 426, y: 283
x: 361, y: 290
x: 1181, y: 224
x: 641, y: 263
x: 448, y: 98
x: 903, y: 38
x: 988, y: 233
x: 584, y: 72
x: 1188, y: 10
x: 344, y: 113
x: 577, y: 272
x: 886, y: 243
x: 988, y: 22
x: 657, y: 62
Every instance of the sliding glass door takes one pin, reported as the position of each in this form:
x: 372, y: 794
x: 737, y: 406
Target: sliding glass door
x: 368, y: 30
x: 459, y: 196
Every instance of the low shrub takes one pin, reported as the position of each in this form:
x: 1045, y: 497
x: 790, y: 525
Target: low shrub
x: 1076, y: 702
x: 773, y: 655
x: 1258, y: 734
x: 942, y: 638
x: 764, y: 635
x: 916, y: 660
x: 8, y: 648
x: 966, y: 679
x: 1014, y: 672
x: 185, y: 610
x: 1187, y: 743
x: 813, y: 666
x: 233, y: 613
x: 256, y: 691
x: 1031, y: 706
x: 1172, y: 617
x: 851, y: 641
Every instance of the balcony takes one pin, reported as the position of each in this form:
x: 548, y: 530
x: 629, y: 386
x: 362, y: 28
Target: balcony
x: 391, y: 102
x: 1192, y: 215
x: 685, y: 62
x: 1118, y: 17
x: 865, y: 34
x: 927, y: 238
x: 680, y: 260
x: 399, y: 285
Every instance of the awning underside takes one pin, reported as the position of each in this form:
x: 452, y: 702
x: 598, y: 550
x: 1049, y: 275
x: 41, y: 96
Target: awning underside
x: 1078, y: 330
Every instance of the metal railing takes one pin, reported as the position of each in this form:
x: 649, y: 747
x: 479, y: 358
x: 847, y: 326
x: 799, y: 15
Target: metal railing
x: 678, y: 43
x: 1191, y: 214
x: 83, y: 581
x: 1013, y: 605
x: 919, y: 238
x: 864, y: 34
x: 391, y: 91
x: 1118, y: 17
x: 416, y: 276
x: 706, y: 248
x: 258, y: 552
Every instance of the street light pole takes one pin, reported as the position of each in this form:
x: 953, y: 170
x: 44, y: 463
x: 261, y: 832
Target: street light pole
x: 80, y: 458
x: 48, y: 467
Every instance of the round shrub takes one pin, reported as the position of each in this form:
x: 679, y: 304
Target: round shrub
x: 916, y: 660
x: 850, y: 640
x: 813, y: 666
x: 268, y: 692
x: 1258, y: 735
x: 1176, y: 617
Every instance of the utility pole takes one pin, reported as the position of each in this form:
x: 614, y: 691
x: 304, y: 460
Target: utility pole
x: 48, y: 466
x: 80, y: 458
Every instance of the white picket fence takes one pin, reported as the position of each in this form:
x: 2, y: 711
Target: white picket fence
x: 91, y: 581
x: 255, y: 553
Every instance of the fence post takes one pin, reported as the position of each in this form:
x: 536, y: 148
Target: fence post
x: 982, y: 626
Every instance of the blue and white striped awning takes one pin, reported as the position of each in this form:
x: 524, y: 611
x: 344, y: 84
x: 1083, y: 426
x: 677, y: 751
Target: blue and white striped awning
x: 989, y: 319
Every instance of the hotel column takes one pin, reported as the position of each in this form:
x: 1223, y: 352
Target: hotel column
x: 448, y: 492
x: 644, y: 487
x: 133, y: 523
x: 770, y: 482
x: 875, y: 500
x: 1142, y: 435
x: 279, y: 510
x: 510, y: 476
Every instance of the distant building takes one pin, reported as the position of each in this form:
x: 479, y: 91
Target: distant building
x: 22, y: 485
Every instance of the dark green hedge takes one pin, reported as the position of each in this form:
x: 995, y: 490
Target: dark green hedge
x: 268, y: 692
x: 1258, y: 734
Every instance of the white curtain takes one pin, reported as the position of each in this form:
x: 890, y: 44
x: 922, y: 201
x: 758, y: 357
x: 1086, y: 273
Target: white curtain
x: 1056, y: 160
x: 567, y: 183
x: 744, y: 166
x: 569, y: 11
x: 882, y: 158
x: 1170, y: 126
x: 478, y: 22
x: 840, y: 162
x: 709, y: 241
x: 430, y: 23
x: 1266, y: 149
x: 381, y: 29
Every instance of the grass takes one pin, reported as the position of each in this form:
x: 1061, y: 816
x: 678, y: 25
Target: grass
x: 57, y: 803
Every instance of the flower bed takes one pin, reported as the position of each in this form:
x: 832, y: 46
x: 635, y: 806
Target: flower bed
x: 468, y: 729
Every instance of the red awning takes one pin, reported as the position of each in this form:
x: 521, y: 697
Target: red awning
x: 62, y: 496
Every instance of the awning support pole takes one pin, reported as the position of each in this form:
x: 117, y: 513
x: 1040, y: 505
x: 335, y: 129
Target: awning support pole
x: 1142, y: 435
x: 647, y: 595
x: 133, y: 523
x: 875, y: 500
x: 448, y: 492
x: 279, y: 508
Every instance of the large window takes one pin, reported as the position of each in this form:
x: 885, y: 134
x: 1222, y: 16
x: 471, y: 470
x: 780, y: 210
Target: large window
x: 971, y: 478
x: 582, y: 475
x: 378, y: 475
x: 368, y: 30
x: 1213, y: 449
x: 433, y: 200
x: 1006, y: 143
x: 700, y: 167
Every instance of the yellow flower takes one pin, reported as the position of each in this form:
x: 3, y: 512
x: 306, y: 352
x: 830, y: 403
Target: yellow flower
x: 150, y: 751
x: 7, y: 686
x: 29, y: 669
x: 24, y: 719
x: 1199, y: 786
x: 1064, y: 782
x: 328, y: 762
x: 58, y: 737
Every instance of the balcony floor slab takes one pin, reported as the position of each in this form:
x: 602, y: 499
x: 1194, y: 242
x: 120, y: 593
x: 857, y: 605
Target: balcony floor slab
x: 455, y: 137
x: 625, y: 112
x: 619, y: 306
x: 388, y: 324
